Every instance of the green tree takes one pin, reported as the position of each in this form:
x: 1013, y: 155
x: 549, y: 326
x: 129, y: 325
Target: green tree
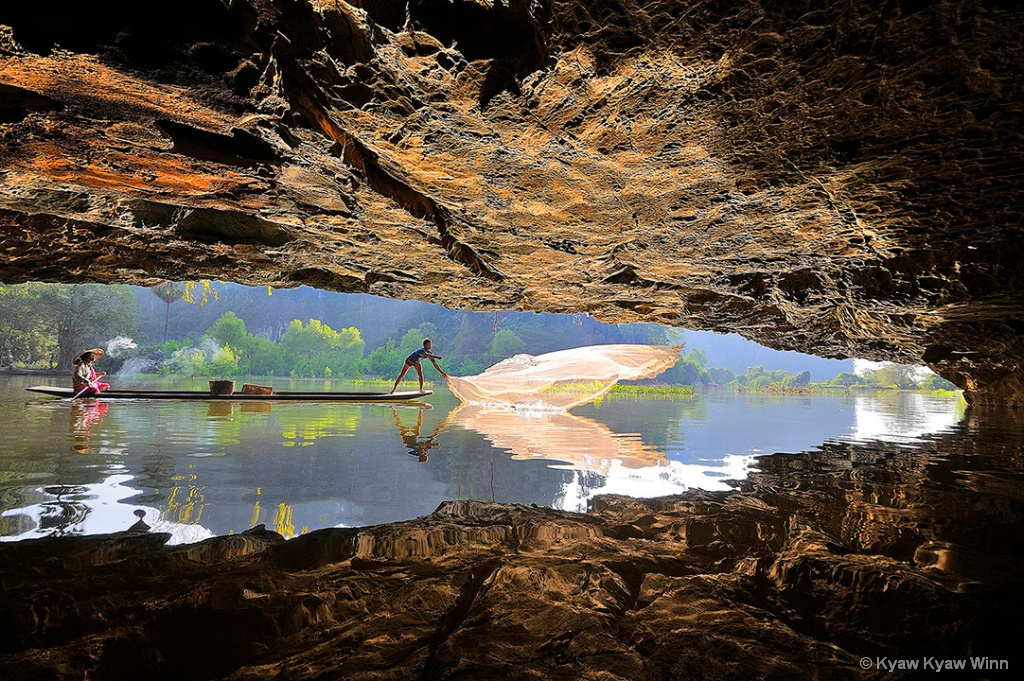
x: 385, y: 360
x: 797, y: 380
x: 228, y: 330
x: 721, y: 375
x: 506, y: 344
x: 699, y: 357
x: 758, y: 377
x: 411, y: 340
x: 901, y: 376
x: 23, y: 335
x: 254, y: 354
x: 84, y: 315
x: 310, y: 349
x: 847, y: 378
x: 933, y: 381
x: 223, y: 363
x: 470, y: 367
x: 687, y: 372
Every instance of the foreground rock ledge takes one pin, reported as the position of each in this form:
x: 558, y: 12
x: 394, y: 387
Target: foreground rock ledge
x: 699, y: 586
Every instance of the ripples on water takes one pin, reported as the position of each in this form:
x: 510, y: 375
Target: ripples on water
x: 200, y: 468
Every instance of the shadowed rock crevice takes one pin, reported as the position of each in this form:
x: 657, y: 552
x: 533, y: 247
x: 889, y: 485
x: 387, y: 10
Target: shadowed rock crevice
x: 16, y: 103
x: 207, y: 225
x: 241, y: 148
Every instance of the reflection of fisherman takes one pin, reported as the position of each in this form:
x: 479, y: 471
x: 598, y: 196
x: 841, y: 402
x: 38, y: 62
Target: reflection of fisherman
x: 84, y: 378
x: 84, y: 415
x: 411, y: 436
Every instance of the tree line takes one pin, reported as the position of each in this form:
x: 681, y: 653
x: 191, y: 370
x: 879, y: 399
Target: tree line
x: 203, y: 329
x: 208, y: 329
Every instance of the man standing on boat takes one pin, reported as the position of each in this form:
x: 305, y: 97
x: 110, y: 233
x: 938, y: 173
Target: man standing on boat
x: 414, y: 359
x: 85, y: 379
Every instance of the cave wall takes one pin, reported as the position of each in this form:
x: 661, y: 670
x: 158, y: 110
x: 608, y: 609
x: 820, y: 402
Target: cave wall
x: 839, y: 178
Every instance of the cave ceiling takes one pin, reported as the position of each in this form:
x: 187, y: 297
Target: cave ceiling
x: 839, y: 178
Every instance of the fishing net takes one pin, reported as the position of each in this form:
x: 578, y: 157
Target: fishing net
x: 563, y: 379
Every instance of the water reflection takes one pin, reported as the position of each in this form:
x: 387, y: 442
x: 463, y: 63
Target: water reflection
x: 415, y: 445
x: 601, y: 461
x: 84, y: 414
x: 906, y: 419
x: 577, y: 442
x: 200, y: 468
x: 66, y: 512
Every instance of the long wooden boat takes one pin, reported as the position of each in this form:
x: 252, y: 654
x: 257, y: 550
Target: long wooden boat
x: 310, y: 396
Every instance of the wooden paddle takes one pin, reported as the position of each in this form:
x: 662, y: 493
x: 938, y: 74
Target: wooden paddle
x: 79, y: 393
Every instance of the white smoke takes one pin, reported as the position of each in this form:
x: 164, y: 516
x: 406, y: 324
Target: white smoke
x: 118, y: 345
x: 140, y: 365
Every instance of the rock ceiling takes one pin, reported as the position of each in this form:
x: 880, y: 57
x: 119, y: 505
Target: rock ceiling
x: 841, y: 178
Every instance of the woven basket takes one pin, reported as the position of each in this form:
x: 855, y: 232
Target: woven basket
x: 222, y: 387
x: 254, y: 389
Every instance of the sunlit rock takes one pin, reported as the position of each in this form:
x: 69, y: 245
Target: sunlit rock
x: 842, y: 180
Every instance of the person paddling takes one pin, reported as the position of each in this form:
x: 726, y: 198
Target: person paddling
x: 414, y: 359
x: 85, y: 379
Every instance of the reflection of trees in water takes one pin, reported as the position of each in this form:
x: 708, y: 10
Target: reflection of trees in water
x: 185, y: 503
x: 588, y: 482
x: 660, y: 420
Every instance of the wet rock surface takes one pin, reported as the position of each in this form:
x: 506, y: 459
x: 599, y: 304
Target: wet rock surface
x: 838, y: 178
x: 818, y: 560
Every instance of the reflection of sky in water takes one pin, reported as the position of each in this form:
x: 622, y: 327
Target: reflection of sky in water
x: 672, y: 478
x: 720, y: 442
x: 195, y: 469
x: 903, y: 420
x: 95, y: 509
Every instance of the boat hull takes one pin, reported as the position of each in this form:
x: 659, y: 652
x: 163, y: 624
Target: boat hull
x: 55, y: 391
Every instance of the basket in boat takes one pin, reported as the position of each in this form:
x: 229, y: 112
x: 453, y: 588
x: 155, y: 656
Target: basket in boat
x: 222, y: 387
x: 254, y: 389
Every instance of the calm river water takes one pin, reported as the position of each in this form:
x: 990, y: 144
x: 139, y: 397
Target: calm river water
x: 197, y: 469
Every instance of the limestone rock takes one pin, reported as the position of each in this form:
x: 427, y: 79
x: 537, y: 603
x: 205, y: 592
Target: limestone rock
x: 837, y: 178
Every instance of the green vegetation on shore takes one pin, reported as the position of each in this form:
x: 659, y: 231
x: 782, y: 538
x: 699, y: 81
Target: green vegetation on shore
x: 198, y: 330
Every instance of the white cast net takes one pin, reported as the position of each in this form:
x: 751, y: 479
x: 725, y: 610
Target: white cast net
x: 563, y: 379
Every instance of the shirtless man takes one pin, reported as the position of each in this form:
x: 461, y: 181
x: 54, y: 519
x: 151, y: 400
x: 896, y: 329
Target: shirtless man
x: 414, y: 359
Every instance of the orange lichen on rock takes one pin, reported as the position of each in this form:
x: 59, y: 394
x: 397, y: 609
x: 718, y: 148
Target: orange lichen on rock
x: 83, y: 83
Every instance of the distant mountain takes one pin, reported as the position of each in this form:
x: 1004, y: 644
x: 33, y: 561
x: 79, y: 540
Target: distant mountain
x: 734, y: 352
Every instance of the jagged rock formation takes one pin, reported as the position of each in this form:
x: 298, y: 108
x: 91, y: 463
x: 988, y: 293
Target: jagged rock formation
x: 841, y: 178
x: 853, y: 551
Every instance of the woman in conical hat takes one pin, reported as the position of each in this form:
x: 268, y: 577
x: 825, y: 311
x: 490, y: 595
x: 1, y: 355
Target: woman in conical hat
x: 85, y: 379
